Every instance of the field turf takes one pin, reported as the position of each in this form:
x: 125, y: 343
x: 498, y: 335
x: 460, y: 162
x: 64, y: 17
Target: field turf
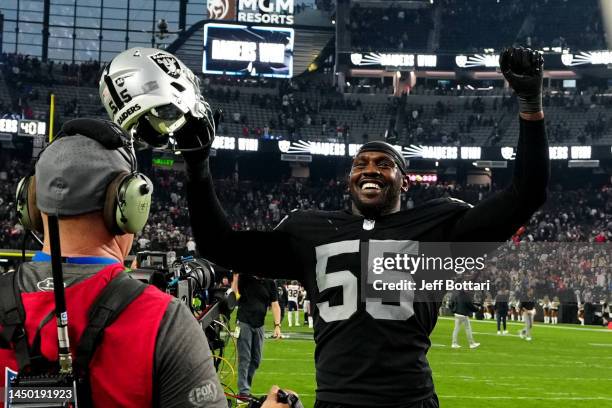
x: 564, y: 366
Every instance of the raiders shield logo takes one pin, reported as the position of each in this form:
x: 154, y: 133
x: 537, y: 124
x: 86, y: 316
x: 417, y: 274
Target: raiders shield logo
x: 168, y: 64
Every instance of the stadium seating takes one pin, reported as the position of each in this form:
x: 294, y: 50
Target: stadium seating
x: 390, y: 28
x: 475, y: 25
x: 283, y: 109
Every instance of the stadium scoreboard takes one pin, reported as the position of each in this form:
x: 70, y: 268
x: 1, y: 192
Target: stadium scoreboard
x: 23, y: 127
x: 248, y: 50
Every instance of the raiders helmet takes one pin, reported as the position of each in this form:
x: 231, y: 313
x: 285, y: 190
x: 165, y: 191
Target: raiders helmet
x: 152, y: 83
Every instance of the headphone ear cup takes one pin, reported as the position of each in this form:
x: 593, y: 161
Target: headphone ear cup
x: 111, y: 204
x: 128, y: 201
x: 27, y: 211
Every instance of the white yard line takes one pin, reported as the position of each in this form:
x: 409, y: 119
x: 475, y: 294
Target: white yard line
x: 539, y: 325
x: 531, y: 398
x: 480, y: 397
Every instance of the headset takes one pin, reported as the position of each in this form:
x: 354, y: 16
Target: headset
x: 128, y: 195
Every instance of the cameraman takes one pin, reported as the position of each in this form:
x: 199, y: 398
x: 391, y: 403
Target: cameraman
x: 154, y: 354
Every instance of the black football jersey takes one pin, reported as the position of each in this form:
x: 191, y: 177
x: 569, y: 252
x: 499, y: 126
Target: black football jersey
x: 367, y: 352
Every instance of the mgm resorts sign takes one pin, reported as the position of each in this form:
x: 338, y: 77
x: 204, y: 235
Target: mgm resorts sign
x: 252, y: 11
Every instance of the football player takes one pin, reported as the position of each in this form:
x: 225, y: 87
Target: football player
x: 293, y: 294
x: 370, y: 353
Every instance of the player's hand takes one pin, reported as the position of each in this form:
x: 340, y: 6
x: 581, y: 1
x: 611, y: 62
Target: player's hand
x: 523, y: 68
x: 277, y: 332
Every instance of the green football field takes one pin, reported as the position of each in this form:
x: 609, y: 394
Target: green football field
x: 564, y: 366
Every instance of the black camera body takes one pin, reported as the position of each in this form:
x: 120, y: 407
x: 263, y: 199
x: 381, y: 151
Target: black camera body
x: 192, y: 280
x: 189, y: 279
x: 281, y: 396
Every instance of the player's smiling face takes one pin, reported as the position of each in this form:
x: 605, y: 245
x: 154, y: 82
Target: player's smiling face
x: 375, y: 183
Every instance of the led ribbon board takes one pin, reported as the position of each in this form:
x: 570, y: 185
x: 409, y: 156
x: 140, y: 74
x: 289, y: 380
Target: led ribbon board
x: 23, y: 127
x: 249, y: 51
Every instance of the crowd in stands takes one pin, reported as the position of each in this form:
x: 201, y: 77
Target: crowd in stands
x: 390, y: 28
x: 311, y: 107
x: 297, y: 104
x: 287, y: 107
x: 569, y: 219
x: 575, y: 273
x: 581, y: 25
x: 298, y: 108
x: 475, y: 25
x: 24, y: 76
x: 429, y: 124
x: 20, y: 69
x: 583, y: 215
x: 12, y: 169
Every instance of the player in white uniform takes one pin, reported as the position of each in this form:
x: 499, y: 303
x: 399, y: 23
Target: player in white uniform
x: 293, y: 292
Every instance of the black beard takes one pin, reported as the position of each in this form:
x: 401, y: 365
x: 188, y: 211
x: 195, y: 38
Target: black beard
x: 387, y: 205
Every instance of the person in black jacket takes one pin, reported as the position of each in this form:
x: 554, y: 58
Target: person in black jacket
x: 256, y: 295
x: 501, y: 309
x: 463, y: 307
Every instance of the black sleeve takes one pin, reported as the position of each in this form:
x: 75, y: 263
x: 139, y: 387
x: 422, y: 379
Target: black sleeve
x: 273, y: 291
x: 184, y: 372
x: 498, y: 217
x: 263, y: 253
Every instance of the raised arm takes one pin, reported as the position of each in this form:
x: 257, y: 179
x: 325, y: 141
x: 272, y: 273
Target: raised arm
x: 266, y: 254
x: 499, y: 216
x: 263, y: 253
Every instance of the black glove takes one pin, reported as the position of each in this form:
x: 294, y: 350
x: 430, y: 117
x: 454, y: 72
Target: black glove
x: 523, y: 68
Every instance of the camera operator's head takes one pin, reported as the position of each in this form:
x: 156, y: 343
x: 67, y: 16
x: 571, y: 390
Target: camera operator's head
x: 88, y: 178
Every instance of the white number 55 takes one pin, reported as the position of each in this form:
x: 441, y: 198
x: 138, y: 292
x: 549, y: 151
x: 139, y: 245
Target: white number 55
x: 349, y: 283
